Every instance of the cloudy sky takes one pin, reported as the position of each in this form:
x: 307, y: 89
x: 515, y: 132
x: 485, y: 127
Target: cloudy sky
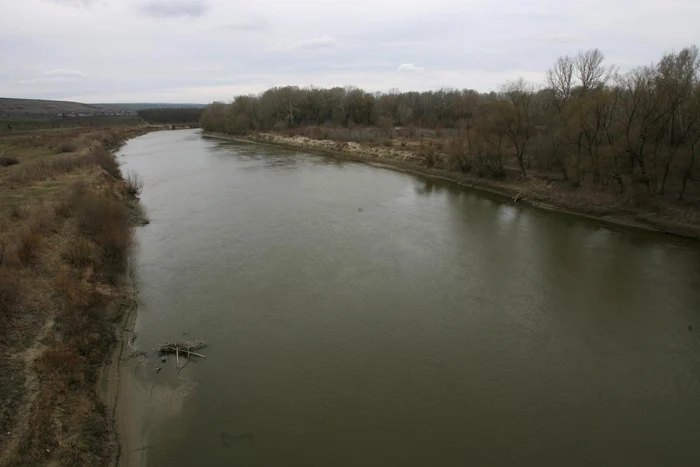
x: 204, y: 50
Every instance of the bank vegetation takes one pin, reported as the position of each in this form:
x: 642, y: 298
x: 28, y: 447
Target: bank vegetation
x: 66, y: 216
x: 593, y: 134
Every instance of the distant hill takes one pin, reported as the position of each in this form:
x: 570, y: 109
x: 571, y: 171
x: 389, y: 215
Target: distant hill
x: 44, y: 108
x: 146, y: 105
x: 33, y: 108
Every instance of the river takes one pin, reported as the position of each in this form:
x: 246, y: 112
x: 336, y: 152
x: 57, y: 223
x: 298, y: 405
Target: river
x: 358, y: 316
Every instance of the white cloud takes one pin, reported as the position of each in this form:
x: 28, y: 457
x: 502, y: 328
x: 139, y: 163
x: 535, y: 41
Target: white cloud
x: 410, y: 68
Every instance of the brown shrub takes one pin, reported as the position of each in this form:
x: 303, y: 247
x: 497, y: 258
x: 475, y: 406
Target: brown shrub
x: 3, y: 248
x: 28, y: 242
x: 44, y: 170
x: 134, y: 184
x: 62, y: 363
x: 8, y: 161
x: 19, y: 211
x: 66, y: 146
x: 77, y: 192
x: 106, y: 160
x: 81, y: 320
x: 388, y: 143
x: 10, y: 288
x: 107, y: 222
x: 77, y: 294
x: 81, y: 252
x: 430, y: 158
x: 43, y: 219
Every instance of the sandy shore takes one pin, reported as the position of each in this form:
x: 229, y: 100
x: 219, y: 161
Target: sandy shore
x: 409, y: 162
x: 115, y: 386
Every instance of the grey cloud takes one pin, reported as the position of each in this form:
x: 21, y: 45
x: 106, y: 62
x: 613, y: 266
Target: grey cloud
x: 174, y: 8
x: 138, y: 49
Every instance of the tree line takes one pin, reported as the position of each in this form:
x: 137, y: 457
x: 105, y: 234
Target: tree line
x: 173, y: 115
x: 590, y: 123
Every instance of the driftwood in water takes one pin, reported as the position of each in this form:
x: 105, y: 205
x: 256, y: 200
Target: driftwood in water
x: 187, y: 347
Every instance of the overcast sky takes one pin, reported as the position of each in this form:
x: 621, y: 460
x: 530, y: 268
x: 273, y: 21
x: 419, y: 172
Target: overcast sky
x: 205, y: 50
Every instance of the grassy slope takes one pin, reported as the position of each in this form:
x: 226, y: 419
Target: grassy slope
x: 65, y: 232
x: 11, y: 125
x: 35, y: 107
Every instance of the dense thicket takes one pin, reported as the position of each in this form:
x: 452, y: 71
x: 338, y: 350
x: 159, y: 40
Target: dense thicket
x: 187, y: 115
x: 589, y: 124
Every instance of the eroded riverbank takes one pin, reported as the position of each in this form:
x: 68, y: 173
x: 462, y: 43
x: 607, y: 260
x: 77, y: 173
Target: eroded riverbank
x: 534, y: 193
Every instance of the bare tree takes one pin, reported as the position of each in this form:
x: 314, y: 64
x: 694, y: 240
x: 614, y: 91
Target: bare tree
x: 560, y: 80
x: 639, y: 132
x: 676, y: 82
x: 386, y: 124
x: 589, y: 69
x: 516, y: 117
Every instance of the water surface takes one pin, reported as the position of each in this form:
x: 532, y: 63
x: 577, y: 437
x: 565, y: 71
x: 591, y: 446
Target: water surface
x: 358, y: 316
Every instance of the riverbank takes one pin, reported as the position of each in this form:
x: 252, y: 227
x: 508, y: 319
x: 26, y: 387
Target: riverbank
x: 350, y: 306
x: 114, y: 380
x: 66, y: 216
x: 539, y: 193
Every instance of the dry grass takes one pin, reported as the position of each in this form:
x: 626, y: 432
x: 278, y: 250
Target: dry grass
x: 46, y: 170
x: 65, y: 235
x: 66, y: 146
x: 3, y: 248
x: 106, y: 160
x: 9, y: 296
x: 63, y: 364
x: 28, y: 243
x: 19, y: 211
x: 82, y: 253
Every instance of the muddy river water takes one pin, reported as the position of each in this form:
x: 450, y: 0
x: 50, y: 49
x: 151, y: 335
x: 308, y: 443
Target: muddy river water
x: 358, y: 316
